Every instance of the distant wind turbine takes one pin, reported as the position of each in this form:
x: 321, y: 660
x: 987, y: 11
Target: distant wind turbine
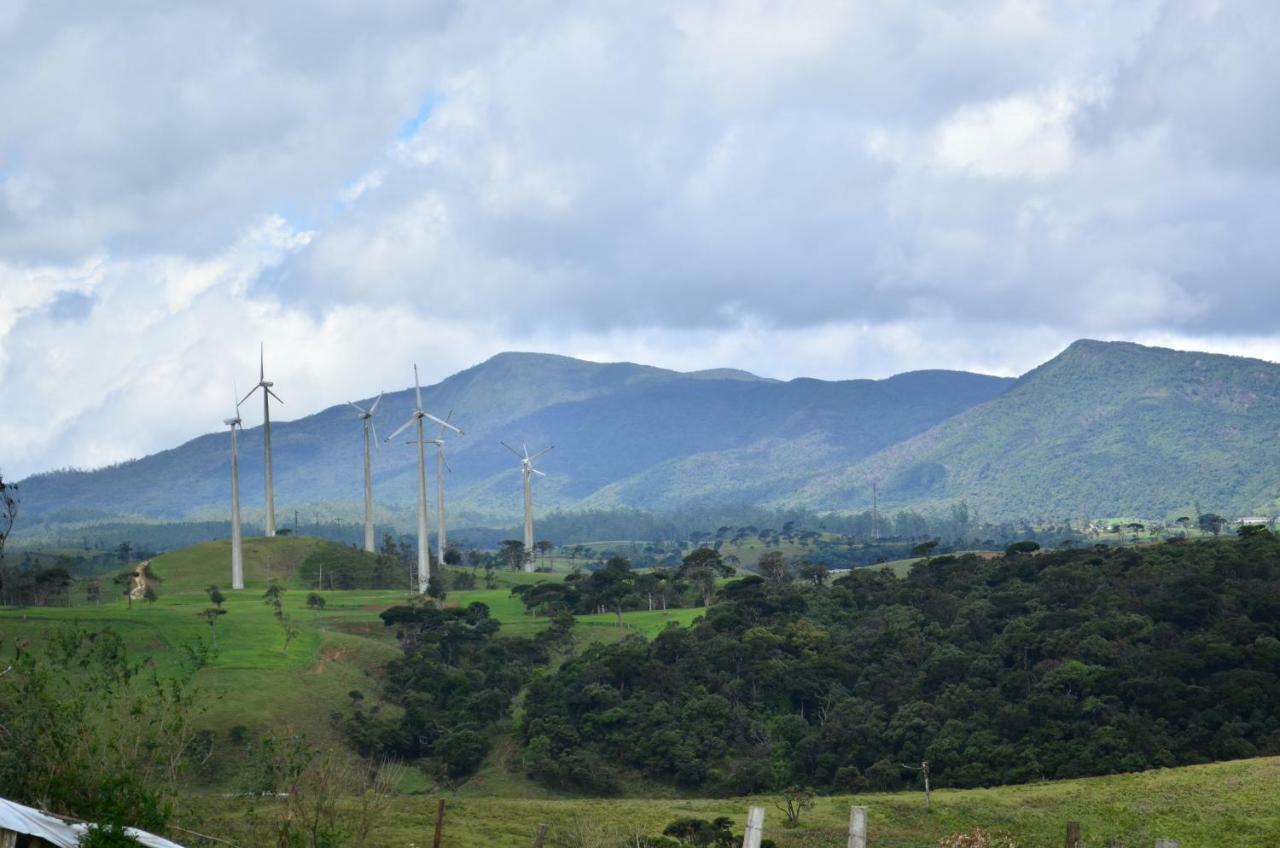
x: 267, y: 394
x: 424, y: 556
x: 438, y: 441
x: 527, y: 470
x: 237, y: 560
x: 366, y: 417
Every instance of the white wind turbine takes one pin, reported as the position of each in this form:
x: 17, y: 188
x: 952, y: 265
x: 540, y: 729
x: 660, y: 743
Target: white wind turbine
x: 267, y: 394
x: 527, y: 470
x: 424, y: 556
x: 438, y: 441
x: 366, y: 417
x: 237, y: 560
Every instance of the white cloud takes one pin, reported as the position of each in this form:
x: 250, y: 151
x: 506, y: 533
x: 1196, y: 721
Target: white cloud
x: 827, y: 189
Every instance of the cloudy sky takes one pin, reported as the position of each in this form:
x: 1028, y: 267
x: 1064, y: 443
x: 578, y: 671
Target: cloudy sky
x: 823, y: 189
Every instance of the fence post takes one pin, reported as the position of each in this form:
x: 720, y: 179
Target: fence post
x: 540, y: 836
x: 435, y: 842
x: 1166, y: 843
x: 857, y: 827
x: 755, y: 828
x: 1073, y: 834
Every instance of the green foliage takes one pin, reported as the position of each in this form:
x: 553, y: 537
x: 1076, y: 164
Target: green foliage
x: 343, y: 567
x: 92, y: 733
x: 995, y: 671
x: 453, y: 682
x: 107, y: 836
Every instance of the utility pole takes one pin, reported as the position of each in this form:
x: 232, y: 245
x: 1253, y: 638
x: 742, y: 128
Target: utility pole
x: 923, y: 768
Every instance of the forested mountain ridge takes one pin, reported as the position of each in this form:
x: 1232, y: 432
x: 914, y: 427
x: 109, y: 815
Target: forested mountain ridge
x: 1104, y: 429
x: 625, y: 435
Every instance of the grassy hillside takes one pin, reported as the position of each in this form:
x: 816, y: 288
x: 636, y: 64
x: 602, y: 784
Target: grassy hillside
x: 253, y: 681
x: 625, y: 434
x: 1105, y: 428
x: 1224, y: 805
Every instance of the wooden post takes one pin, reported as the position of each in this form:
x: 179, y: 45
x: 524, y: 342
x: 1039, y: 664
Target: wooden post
x: 1073, y: 835
x: 540, y: 836
x: 858, y: 827
x: 435, y: 842
x: 755, y: 828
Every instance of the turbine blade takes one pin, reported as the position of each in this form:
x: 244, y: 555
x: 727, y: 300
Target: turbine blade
x: 374, y: 408
x: 405, y: 426
x: 539, y: 473
x: 541, y: 452
x: 442, y: 424
x: 274, y: 395
x: 374, y: 428
x: 417, y: 388
x: 251, y: 391
x: 356, y: 408
x: 448, y: 467
x: 508, y: 447
x: 262, y: 362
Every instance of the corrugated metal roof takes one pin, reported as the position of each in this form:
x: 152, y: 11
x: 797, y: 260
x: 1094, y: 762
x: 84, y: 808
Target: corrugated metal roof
x: 32, y: 822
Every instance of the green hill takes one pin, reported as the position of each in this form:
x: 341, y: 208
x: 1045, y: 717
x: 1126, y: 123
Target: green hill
x: 1103, y: 429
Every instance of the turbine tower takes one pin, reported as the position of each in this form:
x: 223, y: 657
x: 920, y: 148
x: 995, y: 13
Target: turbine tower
x: 438, y: 441
x: 424, y: 555
x: 267, y: 394
x: 527, y: 470
x: 237, y: 560
x: 366, y: 416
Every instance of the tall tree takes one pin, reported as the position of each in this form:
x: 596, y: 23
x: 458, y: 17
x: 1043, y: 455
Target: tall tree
x: 703, y: 567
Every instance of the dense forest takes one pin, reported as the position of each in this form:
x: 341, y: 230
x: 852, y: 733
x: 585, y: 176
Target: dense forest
x: 1004, y: 670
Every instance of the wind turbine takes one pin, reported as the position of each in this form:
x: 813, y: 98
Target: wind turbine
x: 267, y: 394
x: 424, y: 556
x: 237, y: 560
x: 366, y: 416
x: 527, y: 469
x: 438, y: 441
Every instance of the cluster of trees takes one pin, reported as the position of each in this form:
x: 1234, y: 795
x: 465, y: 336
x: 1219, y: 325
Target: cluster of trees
x: 334, y: 566
x: 1023, y: 667
x: 452, y: 683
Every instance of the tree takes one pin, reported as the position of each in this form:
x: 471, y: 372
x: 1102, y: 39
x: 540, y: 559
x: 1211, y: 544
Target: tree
x: 215, y: 596
x: 315, y: 601
x: 1211, y: 522
x: 8, y: 511
x: 773, y: 568
x: 543, y: 547
x: 924, y: 549
x: 511, y: 553
x: 814, y: 573
x: 611, y: 585
x: 126, y: 579
x: 210, y: 615
x: 124, y: 552
x: 452, y: 554
x: 702, y: 567
x: 1024, y: 547
x: 795, y: 801
x: 93, y: 591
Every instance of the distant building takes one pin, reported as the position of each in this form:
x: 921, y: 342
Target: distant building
x: 27, y: 827
x: 1252, y: 519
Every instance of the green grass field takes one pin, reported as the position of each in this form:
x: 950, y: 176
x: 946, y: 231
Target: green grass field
x: 1223, y: 805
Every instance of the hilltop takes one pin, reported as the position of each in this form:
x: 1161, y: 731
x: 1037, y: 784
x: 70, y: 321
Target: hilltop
x: 1102, y: 429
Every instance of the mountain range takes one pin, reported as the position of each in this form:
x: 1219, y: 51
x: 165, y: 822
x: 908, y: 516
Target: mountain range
x: 1103, y: 429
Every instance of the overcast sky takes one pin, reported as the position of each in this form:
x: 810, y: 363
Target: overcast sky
x: 798, y: 189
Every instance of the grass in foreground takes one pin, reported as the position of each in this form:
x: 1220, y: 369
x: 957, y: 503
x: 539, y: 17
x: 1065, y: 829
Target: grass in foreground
x: 1223, y: 805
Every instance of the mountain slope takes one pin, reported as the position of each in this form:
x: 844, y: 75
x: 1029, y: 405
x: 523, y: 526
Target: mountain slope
x: 1103, y: 429
x: 625, y: 435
